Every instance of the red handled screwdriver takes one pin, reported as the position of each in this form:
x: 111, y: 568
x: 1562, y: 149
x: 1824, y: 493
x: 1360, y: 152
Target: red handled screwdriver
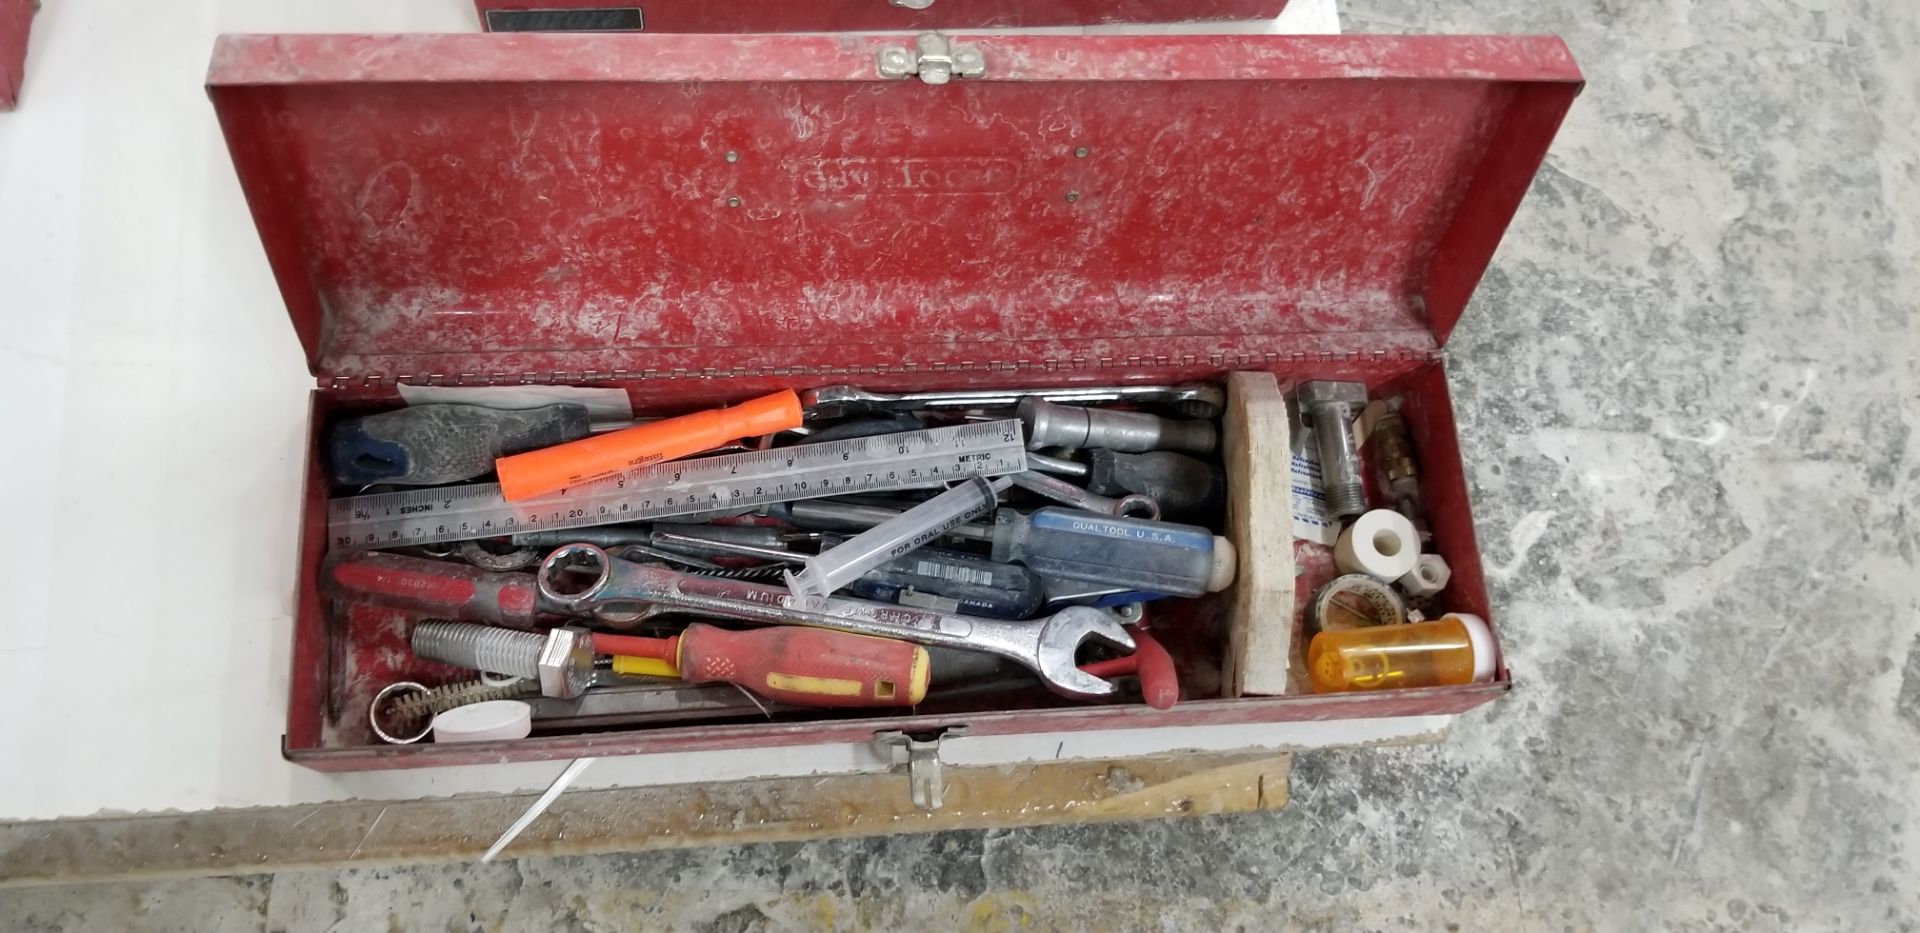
x: 788, y: 663
x: 445, y: 590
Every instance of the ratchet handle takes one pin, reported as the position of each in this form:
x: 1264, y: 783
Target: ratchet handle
x: 806, y: 666
x: 438, y: 588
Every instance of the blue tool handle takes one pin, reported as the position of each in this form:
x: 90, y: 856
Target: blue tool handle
x: 1157, y: 557
x: 951, y: 581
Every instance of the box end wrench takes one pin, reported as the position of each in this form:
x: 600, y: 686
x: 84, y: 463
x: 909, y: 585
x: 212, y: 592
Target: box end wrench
x: 1046, y: 645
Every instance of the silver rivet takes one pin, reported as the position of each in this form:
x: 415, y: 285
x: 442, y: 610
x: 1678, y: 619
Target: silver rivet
x: 1073, y: 196
x: 733, y: 156
x: 733, y: 202
x: 1082, y: 152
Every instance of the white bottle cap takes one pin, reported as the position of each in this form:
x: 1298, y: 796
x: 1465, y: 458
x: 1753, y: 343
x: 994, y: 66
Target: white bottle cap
x: 1381, y: 544
x: 484, y: 722
x: 1226, y: 564
x: 1480, y: 637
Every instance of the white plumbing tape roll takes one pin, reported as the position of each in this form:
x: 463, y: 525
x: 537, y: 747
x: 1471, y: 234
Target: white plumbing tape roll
x: 484, y: 722
x: 1381, y: 544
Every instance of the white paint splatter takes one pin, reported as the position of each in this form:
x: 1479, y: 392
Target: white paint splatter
x: 1779, y: 412
x: 1525, y: 534
x: 1715, y: 432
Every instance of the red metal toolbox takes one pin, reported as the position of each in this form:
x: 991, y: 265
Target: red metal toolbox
x: 853, y: 15
x: 699, y: 219
x: 16, y: 16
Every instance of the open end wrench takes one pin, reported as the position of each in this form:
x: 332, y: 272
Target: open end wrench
x: 1194, y: 400
x: 1045, y: 645
x: 1059, y: 490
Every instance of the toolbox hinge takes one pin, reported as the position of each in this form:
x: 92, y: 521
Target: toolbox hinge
x: 935, y: 59
x: 921, y: 755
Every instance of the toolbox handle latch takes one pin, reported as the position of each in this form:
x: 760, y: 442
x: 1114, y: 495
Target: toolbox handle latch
x: 911, y: 4
x: 934, y: 59
x: 920, y: 752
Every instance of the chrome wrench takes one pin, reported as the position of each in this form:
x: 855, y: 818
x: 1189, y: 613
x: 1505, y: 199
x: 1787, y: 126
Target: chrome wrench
x: 1059, y: 490
x: 1045, y: 645
x: 1195, y: 400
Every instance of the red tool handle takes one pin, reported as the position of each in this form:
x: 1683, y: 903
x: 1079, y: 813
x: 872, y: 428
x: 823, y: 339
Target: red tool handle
x: 439, y: 588
x: 791, y: 663
x: 1159, y: 683
x: 635, y: 646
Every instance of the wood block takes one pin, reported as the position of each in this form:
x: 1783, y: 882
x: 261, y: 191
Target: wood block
x: 1258, y: 452
x: 584, y: 822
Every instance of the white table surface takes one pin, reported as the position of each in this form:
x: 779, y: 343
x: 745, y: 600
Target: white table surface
x: 148, y: 368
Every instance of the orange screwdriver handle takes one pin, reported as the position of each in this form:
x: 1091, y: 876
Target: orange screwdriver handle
x: 807, y: 666
x: 538, y: 472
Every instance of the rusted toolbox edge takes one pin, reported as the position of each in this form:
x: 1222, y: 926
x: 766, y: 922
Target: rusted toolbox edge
x: 1244, y: 711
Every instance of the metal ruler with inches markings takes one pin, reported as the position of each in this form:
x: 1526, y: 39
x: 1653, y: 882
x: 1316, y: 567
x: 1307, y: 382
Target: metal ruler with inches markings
x: 682, y: 487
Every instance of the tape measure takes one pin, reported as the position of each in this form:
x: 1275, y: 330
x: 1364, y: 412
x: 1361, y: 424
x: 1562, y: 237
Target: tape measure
x: 1355, y: 600
x: 913, y: 459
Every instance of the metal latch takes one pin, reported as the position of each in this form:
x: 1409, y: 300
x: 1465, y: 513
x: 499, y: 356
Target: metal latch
x: 934, y: 59
x: 911, y: 4
x: 922, y: 758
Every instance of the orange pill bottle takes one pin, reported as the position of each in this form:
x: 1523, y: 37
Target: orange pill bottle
x: 1455, y: 649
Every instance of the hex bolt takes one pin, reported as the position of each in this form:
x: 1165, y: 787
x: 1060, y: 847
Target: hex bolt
x: 1331, y: 407
x: 561, y: 660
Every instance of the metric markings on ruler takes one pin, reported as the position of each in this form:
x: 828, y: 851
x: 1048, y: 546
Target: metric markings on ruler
x: 683, y: 487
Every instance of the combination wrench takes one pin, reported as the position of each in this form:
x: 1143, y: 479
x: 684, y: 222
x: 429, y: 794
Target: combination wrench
x: 1045, y: 645
x: 1059, y: 490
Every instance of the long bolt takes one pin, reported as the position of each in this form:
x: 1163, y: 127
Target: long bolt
x: 561, y: 660
x: 1331, y: 406
x: 480, y: 647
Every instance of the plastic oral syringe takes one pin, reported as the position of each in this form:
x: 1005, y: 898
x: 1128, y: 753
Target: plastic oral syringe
x: 838, y: 566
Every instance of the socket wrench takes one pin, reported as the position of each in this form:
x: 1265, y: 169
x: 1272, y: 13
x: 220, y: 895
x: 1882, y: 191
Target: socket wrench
x: 1051, y: 425
x: 830, y: 402
x: 1045, y: 645
x: 1059, y: 490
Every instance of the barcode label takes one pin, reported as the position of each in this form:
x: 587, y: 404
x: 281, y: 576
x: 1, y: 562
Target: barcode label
x: 954, y: 573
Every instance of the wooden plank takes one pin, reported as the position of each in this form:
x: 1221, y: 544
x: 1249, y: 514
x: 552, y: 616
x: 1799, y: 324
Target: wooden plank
x: 1258, y: 455
x: 334, y: 835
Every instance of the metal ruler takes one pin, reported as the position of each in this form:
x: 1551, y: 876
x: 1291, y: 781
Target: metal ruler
x: 682, y: 487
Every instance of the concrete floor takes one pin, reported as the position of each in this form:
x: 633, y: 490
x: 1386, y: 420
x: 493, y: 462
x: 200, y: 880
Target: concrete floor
x: 1690, y: 391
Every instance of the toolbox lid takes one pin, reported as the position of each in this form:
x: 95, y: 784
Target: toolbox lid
x: 475, y: 207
